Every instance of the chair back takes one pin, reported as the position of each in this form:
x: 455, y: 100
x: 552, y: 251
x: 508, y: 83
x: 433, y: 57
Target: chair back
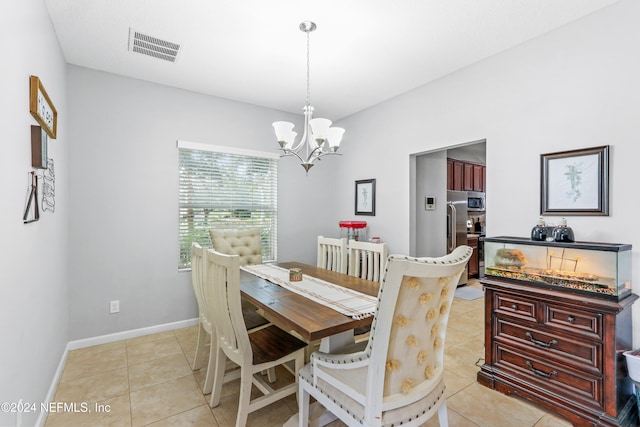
x: 222, y: 293
x: 367, y: 260
x: 198, y: 280
x: 244, y: 243
x: 332, y: 254
x: 406, y: 346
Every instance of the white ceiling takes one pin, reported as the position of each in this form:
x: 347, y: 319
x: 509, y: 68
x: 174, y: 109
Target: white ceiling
x: 363, y: 52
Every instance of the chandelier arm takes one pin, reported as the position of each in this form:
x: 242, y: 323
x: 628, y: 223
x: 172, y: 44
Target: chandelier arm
x: 322, y: 155
x: 293, y: 153
x: 311, y: 157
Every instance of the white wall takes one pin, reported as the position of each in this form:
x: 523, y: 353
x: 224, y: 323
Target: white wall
x: 575, y: 87
x: 431, y: 180
x: 33, y: 257
x: 124, y: 188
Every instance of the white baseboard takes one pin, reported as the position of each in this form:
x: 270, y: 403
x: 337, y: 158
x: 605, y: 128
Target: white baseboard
x: 105, y: 339
x: 42, y: 418
x: 133, y: 333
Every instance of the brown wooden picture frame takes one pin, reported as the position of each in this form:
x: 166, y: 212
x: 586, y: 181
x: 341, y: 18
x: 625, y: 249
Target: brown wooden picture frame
x: 38, y: 147
x: 41, y: 107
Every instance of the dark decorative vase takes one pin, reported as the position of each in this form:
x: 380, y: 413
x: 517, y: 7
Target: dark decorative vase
x: 539, y: 232
x: 563, y: 233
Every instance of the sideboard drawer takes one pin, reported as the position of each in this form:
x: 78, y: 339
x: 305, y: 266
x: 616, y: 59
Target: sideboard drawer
x: 514, y: 305
x: 586, y: 323
x: 552, y: 378
x: 582, y: 354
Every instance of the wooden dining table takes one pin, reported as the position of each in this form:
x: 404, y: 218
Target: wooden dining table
x: 311, y: 320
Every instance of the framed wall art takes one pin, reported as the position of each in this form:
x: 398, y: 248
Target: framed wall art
x: 575, y: 182
x: 366, y: 197
x: 38, y: 147
x: 41, y: 107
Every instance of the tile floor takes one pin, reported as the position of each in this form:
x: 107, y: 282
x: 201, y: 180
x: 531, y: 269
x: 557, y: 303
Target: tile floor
x: 148, y: 381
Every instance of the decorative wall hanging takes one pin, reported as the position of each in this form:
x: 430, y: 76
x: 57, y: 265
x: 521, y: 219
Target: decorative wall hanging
x: 38, y: 147
x: 366, y: 197
x: 31, y: 211
x: 41, y: 107
x: 49, y: 188
x: 575, y: 182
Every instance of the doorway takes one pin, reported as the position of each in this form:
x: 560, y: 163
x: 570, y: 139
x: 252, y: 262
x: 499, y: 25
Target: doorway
x: 428, y: 222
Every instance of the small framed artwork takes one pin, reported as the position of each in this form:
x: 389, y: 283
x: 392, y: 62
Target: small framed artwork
x: 575, y: 182
x: 366, y: 197
x: 38, y: 147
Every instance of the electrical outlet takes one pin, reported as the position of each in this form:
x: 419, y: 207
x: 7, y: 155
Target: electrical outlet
x: 114, y: 307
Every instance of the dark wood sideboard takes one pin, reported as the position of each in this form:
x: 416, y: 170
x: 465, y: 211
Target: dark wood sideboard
x: 560, y: 350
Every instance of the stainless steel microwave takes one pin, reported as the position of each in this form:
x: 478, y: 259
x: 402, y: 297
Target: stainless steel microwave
x: 475, y: 201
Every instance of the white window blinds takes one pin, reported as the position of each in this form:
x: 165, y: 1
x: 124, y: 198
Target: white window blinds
x: 226, y: 188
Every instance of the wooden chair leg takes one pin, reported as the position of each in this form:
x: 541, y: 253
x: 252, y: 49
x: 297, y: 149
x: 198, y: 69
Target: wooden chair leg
x: 303, y: 407
x: 271, y: 375
x: 208, y: 379
x: 443, y: 418
x: 201, y: 344
x: 218, y: 377
x: 246, y: 380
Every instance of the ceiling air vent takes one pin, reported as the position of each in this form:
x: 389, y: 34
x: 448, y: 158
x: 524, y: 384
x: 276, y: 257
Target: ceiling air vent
x: 152, y: 46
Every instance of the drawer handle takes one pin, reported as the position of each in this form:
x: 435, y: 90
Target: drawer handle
x: 514, y: 307
x: 541, y: 373
x: 571, y: 319
x: 541, y: 343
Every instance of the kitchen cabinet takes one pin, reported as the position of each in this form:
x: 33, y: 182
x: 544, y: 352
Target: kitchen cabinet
x: 467, y: 180
x: 478, y: 172
x: 555, y: 337
x: 455, y: 175
x: 465, y: 176
x: 473, y: 266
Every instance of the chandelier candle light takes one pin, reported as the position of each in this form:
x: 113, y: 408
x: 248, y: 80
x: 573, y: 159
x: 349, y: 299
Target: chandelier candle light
x: 318, y: 138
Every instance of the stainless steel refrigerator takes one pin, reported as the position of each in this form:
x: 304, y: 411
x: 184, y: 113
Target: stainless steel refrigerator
x: 457, y: 224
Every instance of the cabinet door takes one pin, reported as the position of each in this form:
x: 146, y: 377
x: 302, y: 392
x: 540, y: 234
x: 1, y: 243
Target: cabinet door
x: 468, y: 177
x: 450, y: 174
x: 478, y: 178
x: 458, y: 174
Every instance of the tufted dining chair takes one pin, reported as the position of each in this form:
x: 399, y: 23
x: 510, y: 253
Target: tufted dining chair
x: 245, y: 243
x: 332, y: 254
x: 253, y: 353
x: 398, y: 378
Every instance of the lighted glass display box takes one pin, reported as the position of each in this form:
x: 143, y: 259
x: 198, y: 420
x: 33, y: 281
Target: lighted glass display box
x: 597, y: 269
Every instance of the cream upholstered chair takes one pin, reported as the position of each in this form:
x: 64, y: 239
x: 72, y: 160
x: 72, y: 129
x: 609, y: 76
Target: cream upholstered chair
x: 398, y: 378
x: 261, y: 350
x: 206, y: 330
x: 367, y: 260
x: 245, y: 243
x: 332, y: 254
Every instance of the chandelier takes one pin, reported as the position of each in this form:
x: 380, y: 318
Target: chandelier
x: 318, y: 138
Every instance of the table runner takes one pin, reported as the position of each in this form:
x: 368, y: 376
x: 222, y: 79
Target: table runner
x: 344, y: 300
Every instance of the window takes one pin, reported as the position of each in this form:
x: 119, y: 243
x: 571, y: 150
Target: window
x: 225, y: 188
